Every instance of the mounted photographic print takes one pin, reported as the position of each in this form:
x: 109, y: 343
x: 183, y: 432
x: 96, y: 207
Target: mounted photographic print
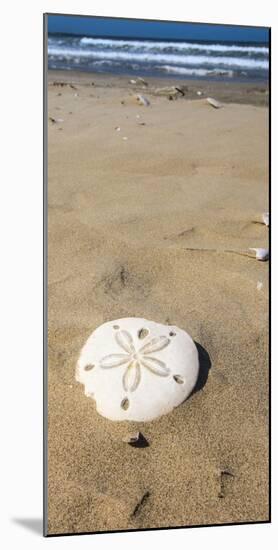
x: 156, y: 179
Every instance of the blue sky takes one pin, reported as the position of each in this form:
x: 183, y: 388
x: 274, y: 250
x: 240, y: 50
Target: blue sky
x: 94, y: 26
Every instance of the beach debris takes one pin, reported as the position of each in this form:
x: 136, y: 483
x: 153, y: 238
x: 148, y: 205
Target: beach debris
x: 165, y: 90
x: 125, y: 138
x: 142, y: 369
x: 172, y: 92
x: 60, y: 83
x: 131, y: 438
x: 265, y: 218
x: 142, y: 100
x: 76, y: 95
x: 262, y: 254
x: 137, y: 116
x: 259, y: 285
x: 55, y: 120
x: 181, y: 89
x: 142, y: 81
x: 118, y: 129
x: 141, y: 123
x: 199, y: 92
x: 139, y: 80
x: 122, y: 102
x: 214, y: 103
x: 136, y: 439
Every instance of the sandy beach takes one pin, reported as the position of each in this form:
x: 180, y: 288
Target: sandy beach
x: 151, y: 211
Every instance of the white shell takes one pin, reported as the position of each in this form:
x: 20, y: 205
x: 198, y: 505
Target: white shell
x: 265, y: 218
x: 142, y: 100
x: 214, y: 103
x: 131, y: 438
x: 262, y: 254
x: 137, y: 369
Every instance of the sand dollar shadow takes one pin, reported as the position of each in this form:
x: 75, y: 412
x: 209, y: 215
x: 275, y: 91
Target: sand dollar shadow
x: 204, y: 368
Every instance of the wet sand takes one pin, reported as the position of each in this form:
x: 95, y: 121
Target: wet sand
x: 151, y: 226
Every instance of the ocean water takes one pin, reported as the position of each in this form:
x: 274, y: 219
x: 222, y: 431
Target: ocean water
x: 188, y: 59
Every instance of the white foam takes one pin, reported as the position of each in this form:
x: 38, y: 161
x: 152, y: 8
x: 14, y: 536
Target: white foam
x: 162, y: 58
x: 154, y: 45
x: 195, y: 72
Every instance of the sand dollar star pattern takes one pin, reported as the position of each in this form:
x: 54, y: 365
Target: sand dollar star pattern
x: 134, y: 359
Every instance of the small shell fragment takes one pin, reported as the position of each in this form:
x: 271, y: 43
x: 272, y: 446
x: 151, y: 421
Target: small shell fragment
x: 125, y: 138
x: 142, y: 81
x: 214, y: 103
x: 265, y: 218
x: 138, y: 80
x: 199, y: 92
x: 55, y: 120
x: 262, y: 254
x: 259, y: 285
x: 142, y: 100
x: 118, y: 129
x: 131, y: 438
x: 169, y: 90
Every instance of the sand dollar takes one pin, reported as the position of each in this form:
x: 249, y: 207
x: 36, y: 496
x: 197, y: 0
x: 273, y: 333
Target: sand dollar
x: 137, y: 369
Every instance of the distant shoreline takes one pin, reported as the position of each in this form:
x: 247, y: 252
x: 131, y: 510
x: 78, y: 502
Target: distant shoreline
x: 252, y: 93
x: 167, y: 77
